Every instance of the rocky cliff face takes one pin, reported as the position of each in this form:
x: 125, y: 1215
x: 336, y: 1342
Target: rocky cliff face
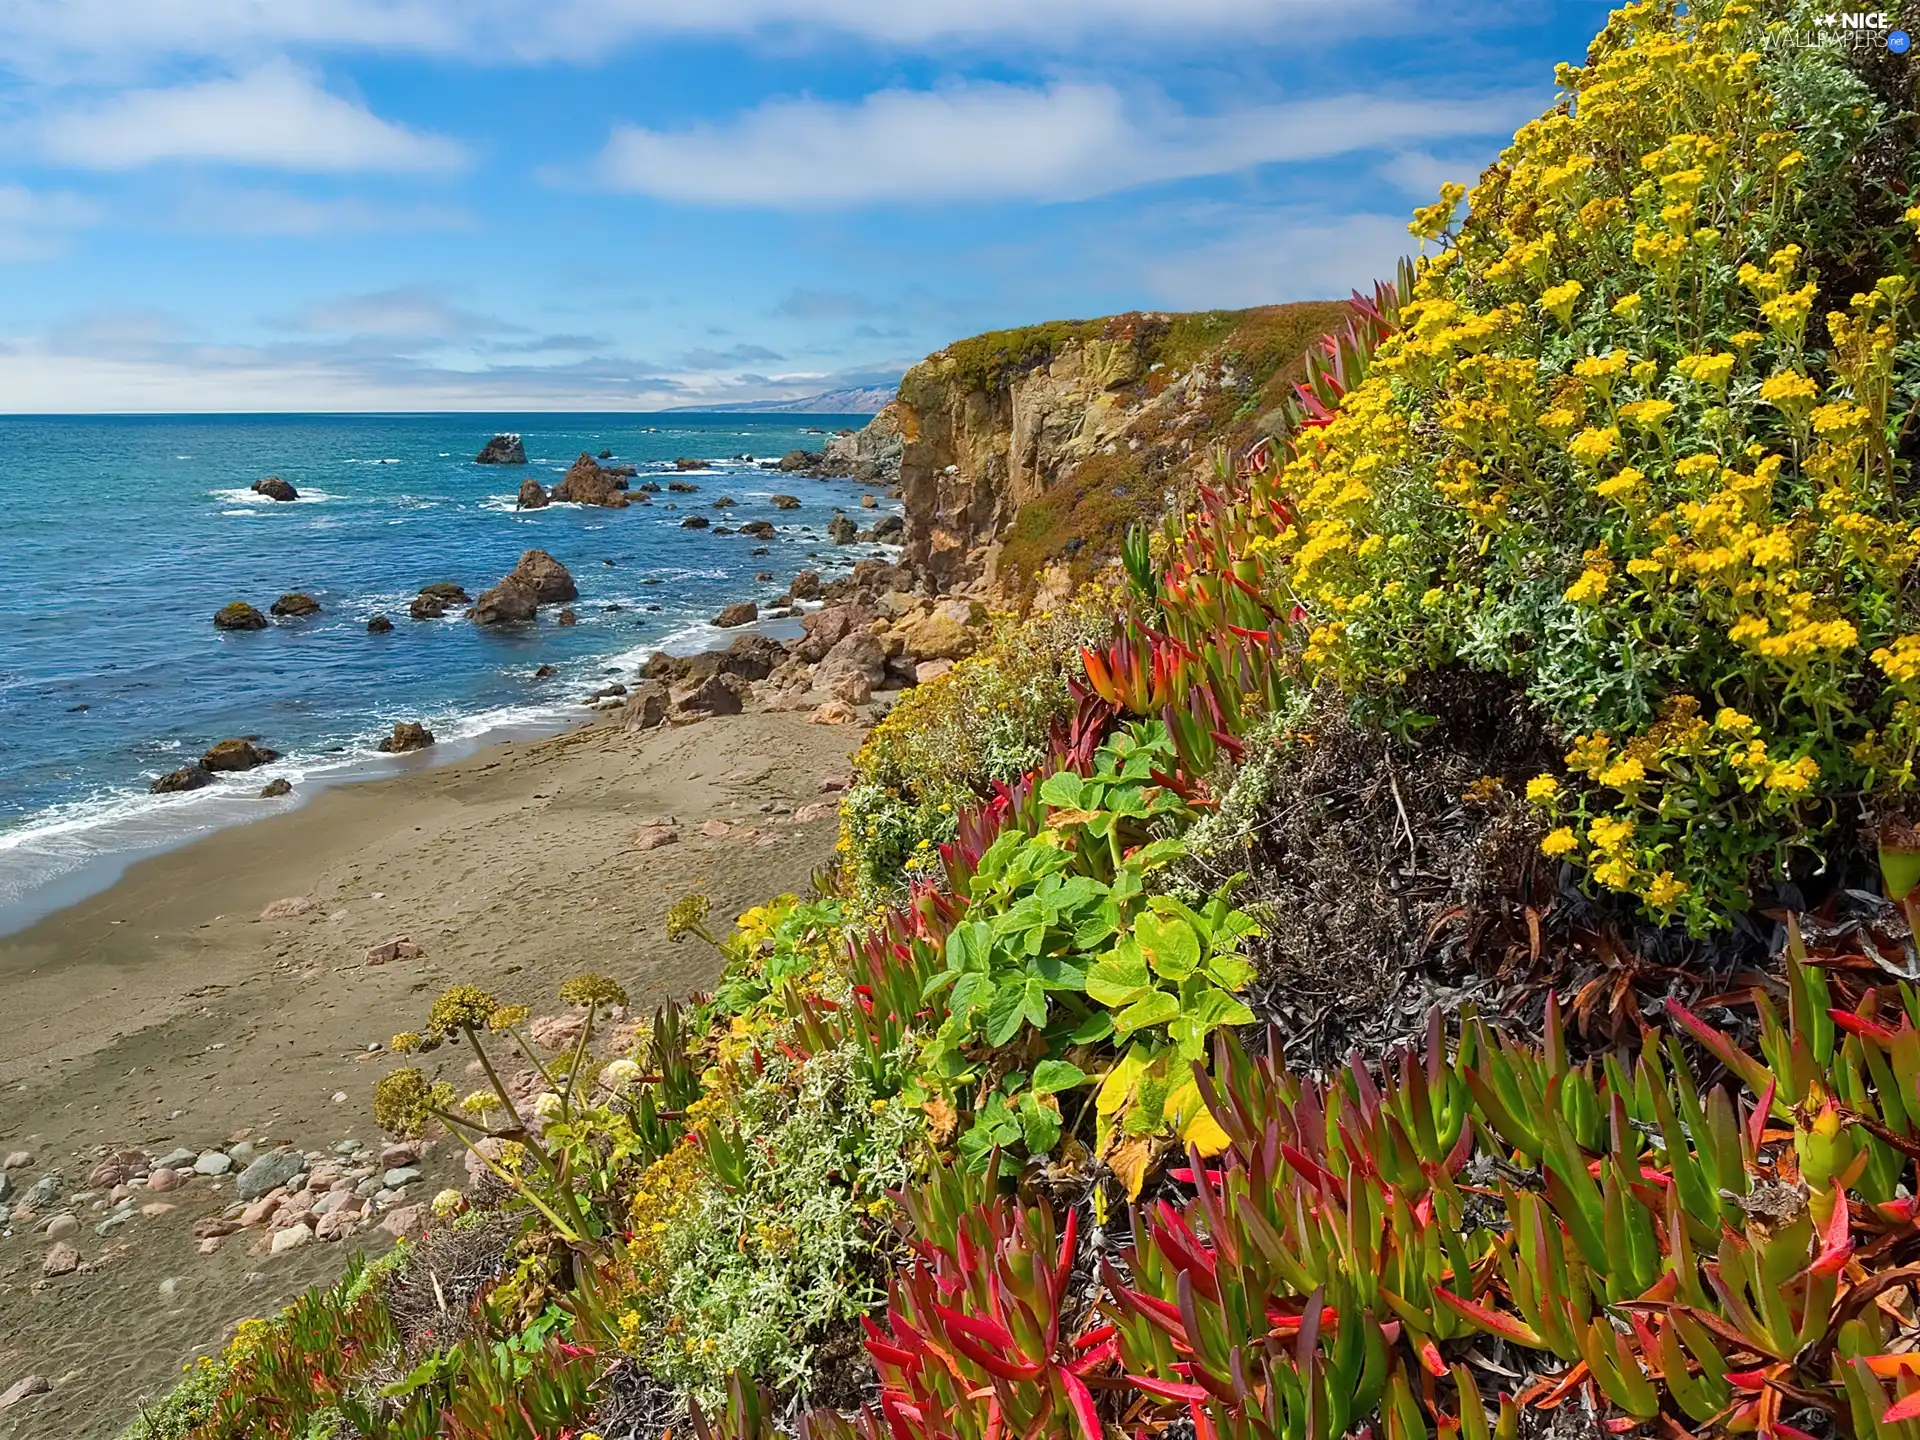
x: 1025, y: 454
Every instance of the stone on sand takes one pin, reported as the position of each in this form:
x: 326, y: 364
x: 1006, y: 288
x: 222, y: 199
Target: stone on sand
x: 269, y: 1172
x: 62, y: 1259
x: 23, y: 1390
x: 289, y: 908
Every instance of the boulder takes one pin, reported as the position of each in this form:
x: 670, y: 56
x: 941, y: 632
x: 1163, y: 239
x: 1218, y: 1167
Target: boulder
x: 687, y: 462
x: 503, y: 605
x: 842, y: 531
x: 694, y: 522
x: 544, y: 577
x: 295, y: 604
x: 725, y: 502
x: 24, y: 1390
x: 239, y: 616
x: 292, y: 907
x: 447, y: 592
x: 532, y: 496
x: 857, y: 660
x: 806, y: 585
x: 828, y: 627
x: 269, y: 1172
x: 887, y: 530
x: 834, y: 712
x: 274, y: 488
x: 502, y: 449
x: 929, y: 670
x: 716, y: 695
x: 743, y: 613
x: 62, y: 1259
x: 652, y: 837
x: 400, y: 947
x: 945, y: 632
x: 408, y: 735
x: 785, y: 502
x: 566, y: 617
x: 585, y: 483
x: 187, y: 777
x: 683, y: 487
x: 753, y: 657
x: 428, y: 607
x: 645, y: 707
x: 798, y: 459
x: 291, y: 1238
x: 237, y: 755
x: 759, y: 529
x: 378, y: 625
x: 606, y: 454
x: 406, y: 1222
x: 868, y: 502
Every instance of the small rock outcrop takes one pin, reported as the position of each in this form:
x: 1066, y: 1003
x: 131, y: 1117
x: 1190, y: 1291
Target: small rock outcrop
x: 806, y: 585
x: 427, y: 607
x: 716, y: 695
x: 239, y: 616
x: 378, y: 625
x: 694, y: 522
x: 537, y: 580
x: 786, y: 502
x: 646, y: 707
x: 295, y: 604
x: 585, y: 483
x: 502, y: 449
x: 887, y: 530
x: 408, y: 735
x: 448, y: 591
x: 187, y: 777
x: 688, y: 462
x: 744, y: 613
x: 842, y: 531
x: 274, y: 488
x: 758, y: 529
x: 533, y: 495
x: 274, y: 789
x: 232, y: 755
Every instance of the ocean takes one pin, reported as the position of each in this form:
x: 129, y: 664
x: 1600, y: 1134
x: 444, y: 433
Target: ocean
x: 121, y: 536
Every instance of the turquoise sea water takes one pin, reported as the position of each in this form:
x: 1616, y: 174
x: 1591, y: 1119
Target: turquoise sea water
x: 120, y: 537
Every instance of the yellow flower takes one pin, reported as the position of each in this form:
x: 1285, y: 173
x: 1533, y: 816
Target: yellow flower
x: 1624, y: 772
x: 1647, y: 414
x: 1559, y: 842
x: 1713, y: 370
x: 1542, y: 789
x: 1589, y: 588
x: 1663, y: 890
x: 1615, y: 872
x: 1610, y: 834
x: 1624, y: 487
x: 1559, y: 300
x: 1627, y: 307
x: 1901, y: 661
x: 1795, y: 778
x: 1645, y: 372
x: 1591, y: 445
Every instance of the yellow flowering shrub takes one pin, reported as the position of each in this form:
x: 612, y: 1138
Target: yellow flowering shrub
x: 1630, y: 447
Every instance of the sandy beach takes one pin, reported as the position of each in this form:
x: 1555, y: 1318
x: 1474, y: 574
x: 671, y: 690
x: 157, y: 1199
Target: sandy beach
x: 164, y: 1011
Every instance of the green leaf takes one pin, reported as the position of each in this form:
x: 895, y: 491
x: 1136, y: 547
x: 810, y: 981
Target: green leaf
x: 1039, y: 1124
x: 1235, y: 972
x: 1034, y: 1005
x: 1052, y: 1076
x: 1058, y: 974
x: 1120, y: 977
x: 1095, y: 1028
x: 1155, y: 1009
x: 1169, y: 944
x: 971, y: 992
x: 1063, y: 791
x: 1004, y: 1015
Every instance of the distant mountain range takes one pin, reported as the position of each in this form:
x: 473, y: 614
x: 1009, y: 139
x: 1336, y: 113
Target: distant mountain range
x: 869, y: 400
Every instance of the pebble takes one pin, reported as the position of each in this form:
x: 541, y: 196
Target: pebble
x: 212, y: 1163
x: 208, y: 1246
x: 18, y: 1160
x: 339, y: 1097
x: 43, y: 1194
x: 401, y: 1175
x: 155, y: 1207
x: 164, y: 1179
x: 240, y: 1152
x: 405, y: 1223
x: 62, y: 1259
x: 170, y: 1286
x: 291, y: 1238
x: 176, y: 1159
x: 62, y: 1227
x: 32, y: 1385
x: 269, y: 1172
x: 368, y: 1187
x: 403, y: 1152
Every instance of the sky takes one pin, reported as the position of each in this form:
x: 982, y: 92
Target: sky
x: 280, y: 205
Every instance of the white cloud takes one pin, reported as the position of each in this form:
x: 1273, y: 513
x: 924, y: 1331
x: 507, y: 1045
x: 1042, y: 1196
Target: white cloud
x: 1269, y: 258
x: 989, y: 141
x: 1419, y: 173
x: 264, y: 211
x: 406, y: 312
x: 36, y: 224
x: 43, y: 36
x: 275, y: 116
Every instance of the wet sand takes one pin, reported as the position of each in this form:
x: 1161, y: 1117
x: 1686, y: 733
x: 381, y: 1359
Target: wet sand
x: 165, y: 1011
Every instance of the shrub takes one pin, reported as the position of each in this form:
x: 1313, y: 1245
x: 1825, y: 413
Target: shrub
x: 941, y: 748
x: 1616, y: 452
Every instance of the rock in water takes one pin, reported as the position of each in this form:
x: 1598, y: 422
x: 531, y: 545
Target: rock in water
x: 585, y: 483
x: 888, y: 530
x: 566, y: 617
x: 533, y: 495
x: 447, y: 592
x: 237, y: 755
x: 187, y: 777
x: 502, y: 449
x: 274, y: 488
x: 544, y: 577
x: 427, y: 607
x: 694, y: 522
x: 408, y: 735
x: 295, y: 604
x: 379, y: 625
x: 744, y: 613
x: 841, y: 530
x: 785, y: 502
x: 276, y: 788
x: 240, y: 616
x: 505, y: 604
x: 806, y: 585
x: 758, y: 529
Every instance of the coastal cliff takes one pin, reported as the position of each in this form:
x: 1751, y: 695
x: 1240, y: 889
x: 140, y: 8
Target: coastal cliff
x: 1026, y: 454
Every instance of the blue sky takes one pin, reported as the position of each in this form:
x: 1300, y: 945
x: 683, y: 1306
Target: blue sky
x: 638, y: 204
